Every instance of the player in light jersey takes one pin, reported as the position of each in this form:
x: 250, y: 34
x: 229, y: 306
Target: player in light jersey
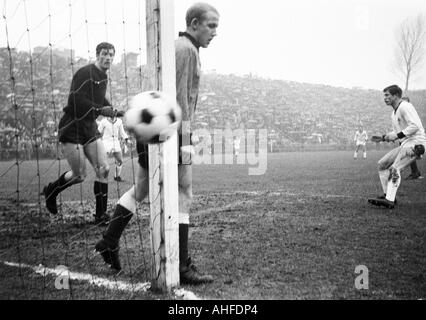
x: 360, y: 140
x: 408, y: 128
x: 113, y: 134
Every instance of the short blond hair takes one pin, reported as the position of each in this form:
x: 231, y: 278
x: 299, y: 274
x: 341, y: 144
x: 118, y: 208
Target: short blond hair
x: 198, y: 11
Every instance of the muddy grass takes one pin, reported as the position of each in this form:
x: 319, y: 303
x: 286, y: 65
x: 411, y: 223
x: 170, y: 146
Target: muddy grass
x: 297, y: 232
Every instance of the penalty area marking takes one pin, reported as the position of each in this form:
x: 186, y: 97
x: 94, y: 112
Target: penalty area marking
x: 279, y: 192
x: 98, y: 281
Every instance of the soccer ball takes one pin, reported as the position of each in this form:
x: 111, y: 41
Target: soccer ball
x: 153, y: 116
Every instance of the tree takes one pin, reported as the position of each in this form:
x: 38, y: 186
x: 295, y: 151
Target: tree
x: 410, y: 47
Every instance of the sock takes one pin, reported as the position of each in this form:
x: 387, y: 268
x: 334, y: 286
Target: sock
x: 393, y: 186
x: 414, y: 169
x: 101, y: 195
x: 355, y: 155
x: 118, y: 170
x: 183, y: 243
x: 104, y: 189
x: 116, y: 226
x: 365, y: 155
x: 60, y: 185
x: 128, y: 200
x: 384, y: 179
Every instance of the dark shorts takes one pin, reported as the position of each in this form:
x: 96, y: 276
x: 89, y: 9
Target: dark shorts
x: 77, y: 132
x: 142, y: 150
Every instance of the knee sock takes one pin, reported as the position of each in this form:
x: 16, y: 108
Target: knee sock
x: 118, y: 170
x: 116, y: 226
x: 384, y: 179
x: 101, y: 195
x: 183, y: 244
x: 393, y: 186
x: 414, y: 168
x: 59, y: 185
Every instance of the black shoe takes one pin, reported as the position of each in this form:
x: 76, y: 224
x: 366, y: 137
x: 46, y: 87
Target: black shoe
x: 190, y: 275
x: 382, y: 203
x: 384, y: 197
x: 414, y: 176
x: 110, y: 256
x: 102, y: 220
x: 102, y: 248
x: 50, y: 197
x: 118, y: 179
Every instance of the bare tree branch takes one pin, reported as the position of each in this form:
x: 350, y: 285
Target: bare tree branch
x: 410, y: 47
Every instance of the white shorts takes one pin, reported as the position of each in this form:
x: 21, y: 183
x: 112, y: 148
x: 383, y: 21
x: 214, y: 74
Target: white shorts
x: 398, y: 158
x: 112, y: 146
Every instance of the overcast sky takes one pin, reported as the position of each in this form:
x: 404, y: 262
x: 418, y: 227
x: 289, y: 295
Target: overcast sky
x: 344, y: 43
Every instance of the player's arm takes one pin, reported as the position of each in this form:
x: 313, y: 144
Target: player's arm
x: 185, y: 63
x: 122, y: 133
x: 390, y: 136
x: 411, y: 117
x: 106, y: 103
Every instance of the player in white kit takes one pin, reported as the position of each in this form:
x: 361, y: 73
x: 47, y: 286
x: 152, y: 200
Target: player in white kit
x: 113, y: 133
x: 237, y: 142
x: 360, y: 140
x: 408, y: 128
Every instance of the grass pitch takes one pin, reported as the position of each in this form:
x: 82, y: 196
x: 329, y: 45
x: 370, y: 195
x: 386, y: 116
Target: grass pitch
x: 296, y: 232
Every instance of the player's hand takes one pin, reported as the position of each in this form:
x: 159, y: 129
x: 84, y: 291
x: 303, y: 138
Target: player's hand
x: 128, y: 142
x: 107, y: 112
x: 378, y: 138
x: 391, y: 136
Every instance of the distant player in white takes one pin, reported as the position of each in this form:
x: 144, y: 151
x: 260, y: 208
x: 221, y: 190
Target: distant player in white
x: 408, y: 128
x: 360, y: 140
x: 237, y: 142
x: 113, y: 134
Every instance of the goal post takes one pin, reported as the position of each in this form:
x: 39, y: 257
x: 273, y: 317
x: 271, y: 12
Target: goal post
x: 163, y: 174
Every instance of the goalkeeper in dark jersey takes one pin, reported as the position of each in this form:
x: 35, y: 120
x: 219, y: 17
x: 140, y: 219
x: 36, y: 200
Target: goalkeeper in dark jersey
x: 79, y: 135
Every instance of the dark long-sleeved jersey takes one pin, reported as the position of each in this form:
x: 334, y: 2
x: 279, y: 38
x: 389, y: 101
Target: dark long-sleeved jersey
x: 87, y: 93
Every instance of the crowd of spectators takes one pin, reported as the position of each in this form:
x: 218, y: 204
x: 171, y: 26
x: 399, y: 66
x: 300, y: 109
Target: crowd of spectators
x: 297, y: 116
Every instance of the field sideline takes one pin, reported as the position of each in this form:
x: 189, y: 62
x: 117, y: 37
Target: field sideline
x: 296, y: 232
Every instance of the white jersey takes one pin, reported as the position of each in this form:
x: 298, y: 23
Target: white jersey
x: 237, y: 142
x: 112, y: 133
x: 406, y: 120
x: 361, y: 137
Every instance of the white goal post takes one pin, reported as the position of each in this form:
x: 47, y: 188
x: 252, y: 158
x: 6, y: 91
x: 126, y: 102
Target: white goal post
x: 163, y: 175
